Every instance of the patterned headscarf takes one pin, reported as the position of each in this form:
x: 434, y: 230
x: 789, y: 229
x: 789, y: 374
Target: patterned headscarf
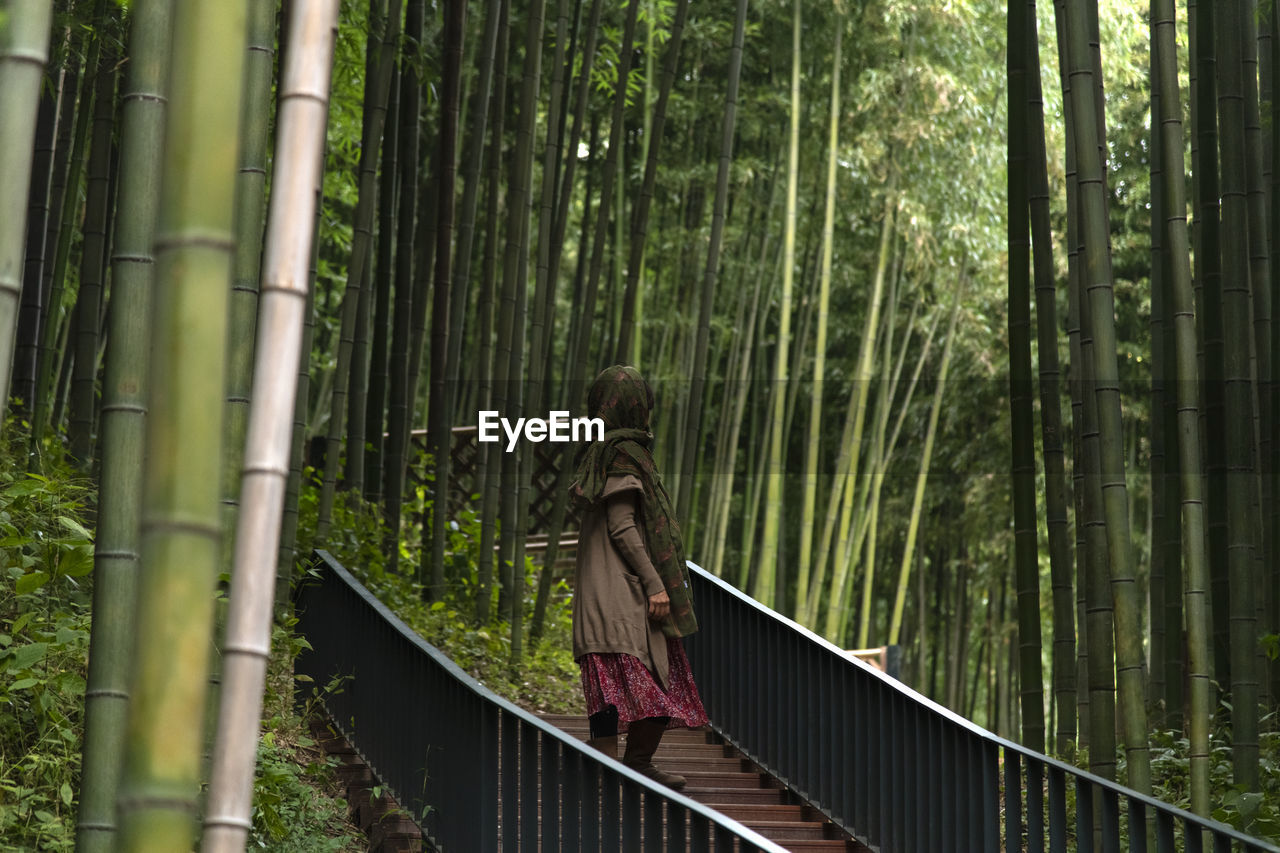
x: 623, y: 400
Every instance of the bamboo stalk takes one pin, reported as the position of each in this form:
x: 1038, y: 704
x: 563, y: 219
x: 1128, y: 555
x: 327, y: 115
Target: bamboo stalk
x: 124, y: 413
x: 24, y: 50
x: 181, y: 533
x: 1190, y: 480
x: 299, y: 147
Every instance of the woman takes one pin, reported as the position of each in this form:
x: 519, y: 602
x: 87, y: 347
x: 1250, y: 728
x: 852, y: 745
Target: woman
x: 631, y: 603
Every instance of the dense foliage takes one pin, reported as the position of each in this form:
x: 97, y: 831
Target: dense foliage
x: 46, y: 545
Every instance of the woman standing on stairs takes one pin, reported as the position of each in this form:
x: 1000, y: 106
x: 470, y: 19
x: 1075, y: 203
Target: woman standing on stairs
x: 631, y: 602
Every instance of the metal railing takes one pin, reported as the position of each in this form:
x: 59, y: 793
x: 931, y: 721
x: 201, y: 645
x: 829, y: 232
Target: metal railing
x: 898, y: 771
x: 477, y: 773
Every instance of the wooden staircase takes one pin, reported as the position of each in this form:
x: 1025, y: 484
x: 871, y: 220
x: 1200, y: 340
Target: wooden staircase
x: 722, y: 778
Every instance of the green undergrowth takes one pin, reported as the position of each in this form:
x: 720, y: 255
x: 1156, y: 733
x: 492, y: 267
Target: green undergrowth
x: 1255, y: 812
x: 46, y: 550
x: 543, y: 678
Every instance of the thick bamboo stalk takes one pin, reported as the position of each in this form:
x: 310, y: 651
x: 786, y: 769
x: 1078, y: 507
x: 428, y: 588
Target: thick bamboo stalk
x: 181, y: 534
x: 1190, y: 481
x: 439, y: 410
x: 251, y: 189
x: 24, y: 50
x: 124, y: 413
x: 1101, y: 310
x: 290, y: 220
x: 1050, y: 375
x: 1163, y: 509
x: 404, y: 357
x: 1241, y: 522
x: 1021, y: 417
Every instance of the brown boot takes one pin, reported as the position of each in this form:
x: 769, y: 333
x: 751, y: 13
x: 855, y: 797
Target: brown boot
x: 643, y: 738
x: 607, y: 745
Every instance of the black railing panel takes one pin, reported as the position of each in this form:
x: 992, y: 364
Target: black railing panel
x: 893, y: 768
x: 477, y: 773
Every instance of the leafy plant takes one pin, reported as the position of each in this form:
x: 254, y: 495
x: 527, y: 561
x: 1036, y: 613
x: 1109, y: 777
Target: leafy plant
x: 46, y: 544
x: 544, y: 679
x: 45, y: 595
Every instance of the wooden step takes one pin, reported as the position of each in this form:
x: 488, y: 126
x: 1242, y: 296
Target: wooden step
x: 783, y: 831
x: 716, y: 797
x: 722, y: 778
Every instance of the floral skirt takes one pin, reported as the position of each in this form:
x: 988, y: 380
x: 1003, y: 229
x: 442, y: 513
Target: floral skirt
x: 622, y: 681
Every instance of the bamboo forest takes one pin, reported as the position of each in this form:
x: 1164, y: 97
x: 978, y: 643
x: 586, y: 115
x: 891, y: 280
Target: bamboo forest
x: 957, y: 316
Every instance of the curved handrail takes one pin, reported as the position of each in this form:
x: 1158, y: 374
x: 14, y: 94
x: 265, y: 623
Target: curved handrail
x: 894, y: 768
x: 474, y: 770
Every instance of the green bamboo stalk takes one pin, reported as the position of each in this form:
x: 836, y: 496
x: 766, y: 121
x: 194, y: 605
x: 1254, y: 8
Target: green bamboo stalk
x: 1050, y: 375
x: 488, y: 370
x: 1190, y: 481
x: 290, y: 225
x: 808, y: 510
x: 400, y: 401
x: 1163, y: 508
x: 1101, y: 309
x: 767, y: 568
x: 628, y: 332
x: 1241, y: 522
x: 382, y: 283
x: 1259, y: 269
x: 1272, y: 23
x: 1021, y: 417
x: 439, y: 411
x: 729, y: 467
x: 540, y: 340
x: 24, y: 51
x: 83, y: 336
x: 251, y: 189
x: 180, y: 529
x: 1209, y: 280
x: 124, y: 412
x: 871, y: 490
x: 855, y: 418
x: 28, y: 320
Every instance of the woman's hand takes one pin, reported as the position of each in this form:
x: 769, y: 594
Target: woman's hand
x: 659, y: 605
